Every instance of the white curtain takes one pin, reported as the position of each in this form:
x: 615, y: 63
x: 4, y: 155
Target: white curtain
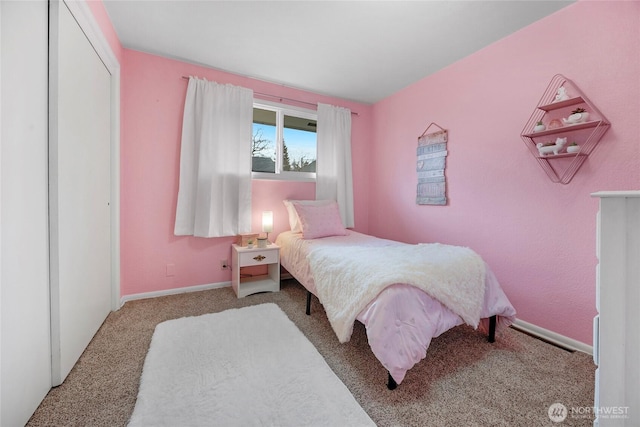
x: 333, y: 171
x: 214, y: 198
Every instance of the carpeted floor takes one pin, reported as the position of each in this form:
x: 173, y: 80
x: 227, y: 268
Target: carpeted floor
x: 463, y: 381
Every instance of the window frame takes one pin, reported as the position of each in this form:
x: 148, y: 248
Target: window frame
x: 281, y: 110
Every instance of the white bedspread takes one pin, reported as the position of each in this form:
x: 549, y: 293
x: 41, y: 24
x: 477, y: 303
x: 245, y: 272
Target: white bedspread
x: 347, y: 279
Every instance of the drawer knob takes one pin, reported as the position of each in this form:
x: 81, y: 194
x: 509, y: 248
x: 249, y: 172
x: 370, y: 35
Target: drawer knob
x: 259, y: 257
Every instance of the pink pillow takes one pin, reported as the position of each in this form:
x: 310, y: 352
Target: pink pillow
x: 294, y: 222
x: 319, y: 220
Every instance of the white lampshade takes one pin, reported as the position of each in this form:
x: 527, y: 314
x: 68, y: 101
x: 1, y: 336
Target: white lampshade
x: 267, y: 221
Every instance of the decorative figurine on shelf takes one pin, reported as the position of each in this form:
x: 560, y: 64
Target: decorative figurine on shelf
x: 579, y: 115
x: 539, y: 127
x: 573, y: 148
x: 554, y: 124
x: 561, y: 95
x: 545, y: 149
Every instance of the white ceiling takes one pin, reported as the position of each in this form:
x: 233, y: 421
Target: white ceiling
x: 358, y: 50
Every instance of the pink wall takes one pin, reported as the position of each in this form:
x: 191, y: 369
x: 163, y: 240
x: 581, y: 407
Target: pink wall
x: 538, y: 237
x: 152, y: 104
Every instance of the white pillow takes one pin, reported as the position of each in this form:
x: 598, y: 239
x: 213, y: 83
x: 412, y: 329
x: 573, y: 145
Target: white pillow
x: 294, y: 221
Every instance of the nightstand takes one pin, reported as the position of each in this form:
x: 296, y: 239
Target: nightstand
x: 241, y: 256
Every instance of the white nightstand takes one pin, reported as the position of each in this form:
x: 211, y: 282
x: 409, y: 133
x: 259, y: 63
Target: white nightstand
x: 241, y: 256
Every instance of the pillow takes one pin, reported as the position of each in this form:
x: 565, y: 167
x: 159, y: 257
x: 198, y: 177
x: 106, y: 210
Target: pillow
x: 294, y: 222
x: 319, y: 220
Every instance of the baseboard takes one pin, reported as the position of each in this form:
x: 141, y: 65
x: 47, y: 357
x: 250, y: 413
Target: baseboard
x: 521, y: 325
x: 174, y: 291
x: 552, y: 337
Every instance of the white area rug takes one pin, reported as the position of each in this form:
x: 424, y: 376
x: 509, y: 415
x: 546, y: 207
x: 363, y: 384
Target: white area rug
x: 241, y: 367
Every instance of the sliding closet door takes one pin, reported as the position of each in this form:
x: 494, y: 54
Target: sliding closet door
x: 25, y: 362
x: 79, y: 168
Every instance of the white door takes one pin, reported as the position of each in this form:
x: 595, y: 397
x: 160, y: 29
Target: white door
x: 79, y: 193
x: 25, y: 358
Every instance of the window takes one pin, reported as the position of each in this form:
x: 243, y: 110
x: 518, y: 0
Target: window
x: 284, y: 142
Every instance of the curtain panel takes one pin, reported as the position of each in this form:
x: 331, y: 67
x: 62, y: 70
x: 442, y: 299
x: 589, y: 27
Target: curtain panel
x: 334, y: 170
x: 214, y: 195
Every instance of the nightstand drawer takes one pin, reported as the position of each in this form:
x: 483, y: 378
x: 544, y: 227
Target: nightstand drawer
x: 258, y: 257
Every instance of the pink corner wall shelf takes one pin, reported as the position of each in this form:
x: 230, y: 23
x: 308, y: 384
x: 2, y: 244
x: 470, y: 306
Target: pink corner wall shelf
x: 571, y: 128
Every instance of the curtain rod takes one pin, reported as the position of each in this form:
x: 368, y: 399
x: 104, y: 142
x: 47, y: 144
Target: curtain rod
x: 281, y: 98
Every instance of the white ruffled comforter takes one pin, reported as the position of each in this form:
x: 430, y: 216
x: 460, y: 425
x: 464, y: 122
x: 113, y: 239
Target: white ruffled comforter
x: 401, y: 319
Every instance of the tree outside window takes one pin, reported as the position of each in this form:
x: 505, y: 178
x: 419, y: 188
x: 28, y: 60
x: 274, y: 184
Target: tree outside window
x: 284, y: 141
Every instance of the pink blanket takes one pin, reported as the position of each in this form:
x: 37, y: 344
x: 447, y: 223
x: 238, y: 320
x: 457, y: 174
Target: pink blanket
x: 402, y: 319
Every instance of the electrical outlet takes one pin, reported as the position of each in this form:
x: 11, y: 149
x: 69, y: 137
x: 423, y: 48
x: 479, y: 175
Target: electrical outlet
x: 224, y: 264
x: 171, y: 270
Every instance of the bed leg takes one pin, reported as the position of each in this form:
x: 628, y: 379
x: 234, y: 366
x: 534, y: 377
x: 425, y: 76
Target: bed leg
x: 392, y: 384
x: 308, y: 303
x: 492, y: 328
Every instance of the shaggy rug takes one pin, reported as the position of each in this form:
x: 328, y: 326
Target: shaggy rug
x: 249, y: 366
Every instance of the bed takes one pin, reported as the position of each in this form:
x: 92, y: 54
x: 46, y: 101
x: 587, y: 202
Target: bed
x: 342, y: 269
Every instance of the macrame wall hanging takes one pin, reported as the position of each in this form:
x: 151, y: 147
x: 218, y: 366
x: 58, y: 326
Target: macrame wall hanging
x: 432, y: 154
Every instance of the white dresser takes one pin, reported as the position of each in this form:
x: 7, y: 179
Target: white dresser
x: 616, y: 331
